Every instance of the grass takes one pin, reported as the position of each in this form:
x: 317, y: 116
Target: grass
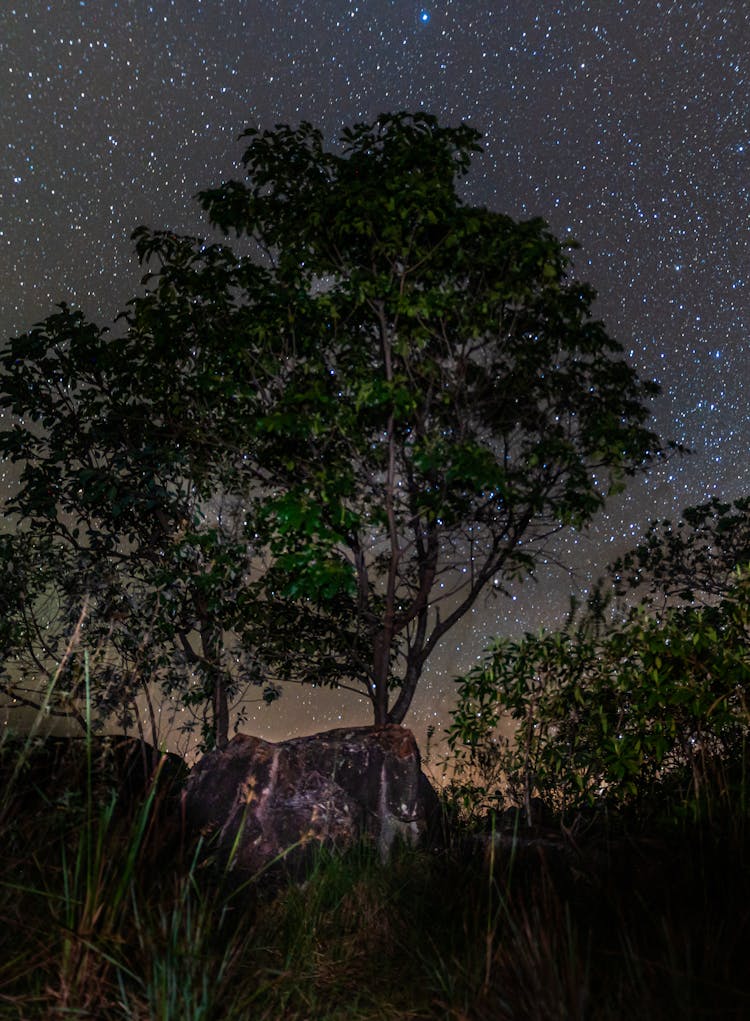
x: 108, y: 912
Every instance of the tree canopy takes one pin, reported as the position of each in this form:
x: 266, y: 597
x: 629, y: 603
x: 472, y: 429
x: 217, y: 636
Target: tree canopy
x: 692, y: 560
x: 325, y: 443
x: 121, y: 536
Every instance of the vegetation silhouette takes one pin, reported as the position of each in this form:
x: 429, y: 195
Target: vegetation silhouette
x: 305, y: 459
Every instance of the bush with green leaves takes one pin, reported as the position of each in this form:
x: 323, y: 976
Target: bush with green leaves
x: 650, y: 712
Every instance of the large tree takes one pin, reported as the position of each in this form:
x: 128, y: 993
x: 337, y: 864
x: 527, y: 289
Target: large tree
x: 403, y: 396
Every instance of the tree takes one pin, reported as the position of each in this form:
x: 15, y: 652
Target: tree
x: 120, y: 538
x: 402, y: 395
x: 692, y: 561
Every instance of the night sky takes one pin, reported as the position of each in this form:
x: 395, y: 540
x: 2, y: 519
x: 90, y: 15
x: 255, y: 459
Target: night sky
x: 625, y: 124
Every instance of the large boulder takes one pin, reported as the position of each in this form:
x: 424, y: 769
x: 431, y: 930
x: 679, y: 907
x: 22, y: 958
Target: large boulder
x: 267, y: 802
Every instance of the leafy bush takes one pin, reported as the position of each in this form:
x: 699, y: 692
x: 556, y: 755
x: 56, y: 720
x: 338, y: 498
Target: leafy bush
x: 651, y: 710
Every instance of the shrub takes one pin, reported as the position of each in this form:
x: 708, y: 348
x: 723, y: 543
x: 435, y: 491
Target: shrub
x: 651, y: 710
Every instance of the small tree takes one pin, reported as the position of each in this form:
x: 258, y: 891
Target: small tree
x: 403, y: 397
x: 111, y: 513
x: 692, y: 561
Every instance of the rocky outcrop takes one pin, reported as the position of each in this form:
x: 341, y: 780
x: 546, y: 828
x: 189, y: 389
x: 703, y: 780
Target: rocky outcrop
x: 267, y: 802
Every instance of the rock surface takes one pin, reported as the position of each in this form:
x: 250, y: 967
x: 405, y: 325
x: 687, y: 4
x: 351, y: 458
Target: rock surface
x: 267, y: 802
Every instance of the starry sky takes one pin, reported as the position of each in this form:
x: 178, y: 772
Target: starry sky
x: 624, y: 123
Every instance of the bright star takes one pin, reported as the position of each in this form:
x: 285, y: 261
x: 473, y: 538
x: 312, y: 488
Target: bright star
x: 424, y: 16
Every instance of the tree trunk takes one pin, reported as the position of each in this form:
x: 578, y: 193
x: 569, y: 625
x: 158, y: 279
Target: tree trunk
x: 401, y: 706
x: 211, y: 649
x: 220, y: 710
x: 381, y: 655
